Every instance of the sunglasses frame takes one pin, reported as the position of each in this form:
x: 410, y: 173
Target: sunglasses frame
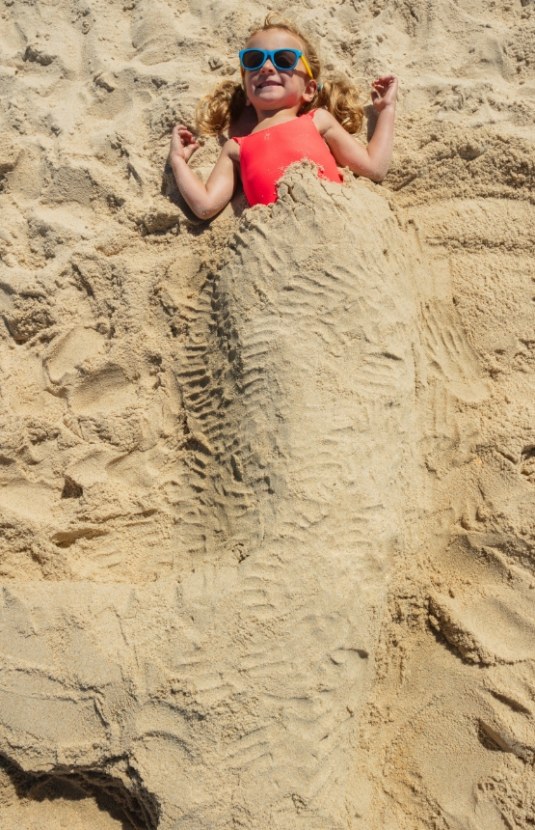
x: 270, y: 54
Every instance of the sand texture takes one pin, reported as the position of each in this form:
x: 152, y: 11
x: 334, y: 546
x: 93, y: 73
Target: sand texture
x: 267, y: 485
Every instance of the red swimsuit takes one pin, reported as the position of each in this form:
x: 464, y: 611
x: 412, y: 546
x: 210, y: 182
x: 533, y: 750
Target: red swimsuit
x: 265, y: 155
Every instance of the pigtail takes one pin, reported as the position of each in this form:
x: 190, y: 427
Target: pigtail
x: 217, y: 110
x: 342, y: 100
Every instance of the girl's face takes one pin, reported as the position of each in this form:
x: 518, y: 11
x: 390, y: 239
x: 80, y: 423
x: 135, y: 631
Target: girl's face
x: 269, y: 88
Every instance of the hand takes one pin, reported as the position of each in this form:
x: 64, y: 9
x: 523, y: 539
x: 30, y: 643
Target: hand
x: 183, y: 143
x: 384, y: 92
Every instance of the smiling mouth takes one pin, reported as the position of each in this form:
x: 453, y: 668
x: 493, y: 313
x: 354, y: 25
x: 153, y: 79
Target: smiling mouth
x: 268, y: 83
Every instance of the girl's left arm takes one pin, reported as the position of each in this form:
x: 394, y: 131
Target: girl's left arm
x: 372, y: 161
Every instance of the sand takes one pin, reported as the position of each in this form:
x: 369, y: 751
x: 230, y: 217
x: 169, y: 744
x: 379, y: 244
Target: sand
x: 267, y: 484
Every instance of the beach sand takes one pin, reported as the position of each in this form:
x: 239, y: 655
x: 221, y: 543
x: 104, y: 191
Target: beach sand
x: 268, y: 483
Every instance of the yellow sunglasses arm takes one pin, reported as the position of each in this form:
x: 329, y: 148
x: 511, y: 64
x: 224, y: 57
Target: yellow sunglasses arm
x: 307, y: 66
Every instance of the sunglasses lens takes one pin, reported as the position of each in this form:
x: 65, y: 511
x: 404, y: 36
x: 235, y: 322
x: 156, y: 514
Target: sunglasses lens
x: 252, y: 59
x: 285, y: 59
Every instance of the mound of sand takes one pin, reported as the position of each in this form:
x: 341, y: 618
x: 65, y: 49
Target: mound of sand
x: 267, y: 486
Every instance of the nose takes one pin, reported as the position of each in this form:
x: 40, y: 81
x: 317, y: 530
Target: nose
x: 268, y: 65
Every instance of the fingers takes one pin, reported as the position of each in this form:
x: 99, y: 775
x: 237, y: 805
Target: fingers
x: 384, y: 90
x: 385, y: 79
x: 183, y: 142
x: 184, y: 135
x: 385, y: 82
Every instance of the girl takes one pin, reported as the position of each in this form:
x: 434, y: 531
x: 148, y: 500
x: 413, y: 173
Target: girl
x: 294, y: 117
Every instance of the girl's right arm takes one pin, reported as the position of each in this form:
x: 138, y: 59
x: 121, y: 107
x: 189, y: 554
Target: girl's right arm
x: 205, y: 200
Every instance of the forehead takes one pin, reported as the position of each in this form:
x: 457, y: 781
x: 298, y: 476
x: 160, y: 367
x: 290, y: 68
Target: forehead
x: 274, y: 39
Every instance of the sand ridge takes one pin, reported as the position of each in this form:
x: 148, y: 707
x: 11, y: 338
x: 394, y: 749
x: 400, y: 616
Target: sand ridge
x: 266, y: 486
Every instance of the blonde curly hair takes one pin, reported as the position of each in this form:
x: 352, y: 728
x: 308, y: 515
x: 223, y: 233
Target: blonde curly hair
x: 223, y: 105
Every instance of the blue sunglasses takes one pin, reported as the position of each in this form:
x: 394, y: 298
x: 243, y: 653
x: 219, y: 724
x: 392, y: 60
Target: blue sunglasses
x: 282, y: 59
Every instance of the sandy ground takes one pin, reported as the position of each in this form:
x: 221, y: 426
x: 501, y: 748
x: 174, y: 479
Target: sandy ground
x: 267, y: 485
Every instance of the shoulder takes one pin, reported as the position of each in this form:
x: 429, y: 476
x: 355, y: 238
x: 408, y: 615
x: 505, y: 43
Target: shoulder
x: 323, y: 120
x: 231, y: 149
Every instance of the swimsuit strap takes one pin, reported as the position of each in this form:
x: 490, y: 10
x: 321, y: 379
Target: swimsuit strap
x: 239, y: 139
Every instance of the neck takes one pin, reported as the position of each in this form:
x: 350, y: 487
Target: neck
x: 273, y: 116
